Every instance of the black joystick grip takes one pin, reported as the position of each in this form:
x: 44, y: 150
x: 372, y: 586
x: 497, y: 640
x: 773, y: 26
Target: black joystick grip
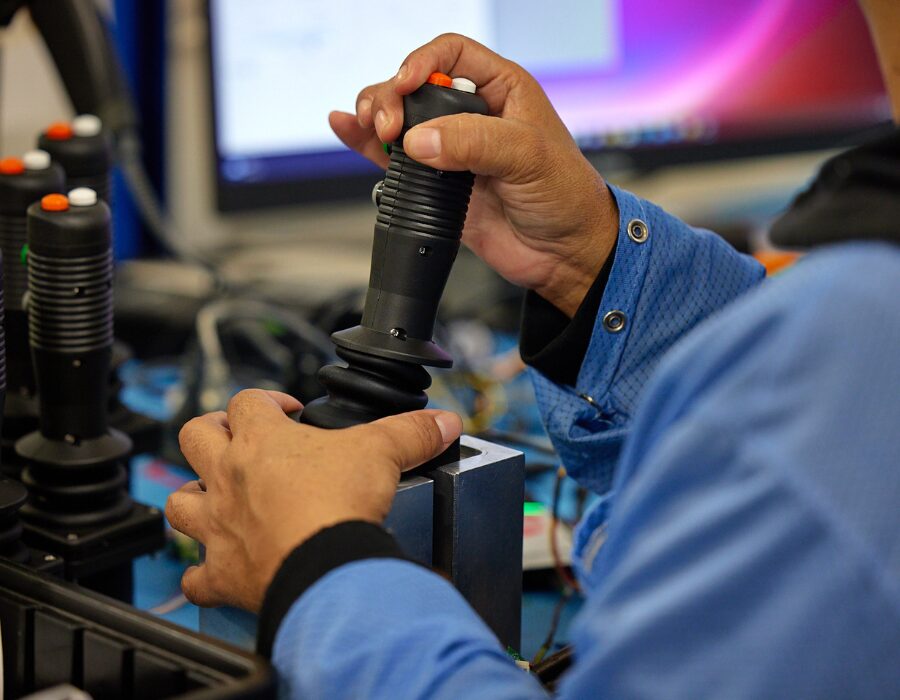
x: 12, y: 493
x: 75, y: 472
x: 421, y: 214
x: 22, y: 182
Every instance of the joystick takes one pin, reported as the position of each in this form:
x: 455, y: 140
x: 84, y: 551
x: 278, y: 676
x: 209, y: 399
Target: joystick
x: 22, y: 182
x: 13, y: 494
x: 79, y: 503
x: 84, y: 150
x: 421, y: 213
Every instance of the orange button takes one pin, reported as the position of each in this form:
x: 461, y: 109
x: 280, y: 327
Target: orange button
x: 59, y: 131
x: 54, y: 202
x: 12, y: 166
x: 440, y: 79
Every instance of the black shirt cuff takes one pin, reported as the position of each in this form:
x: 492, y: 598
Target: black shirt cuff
x: 326, y: 550
x: 550, y: 341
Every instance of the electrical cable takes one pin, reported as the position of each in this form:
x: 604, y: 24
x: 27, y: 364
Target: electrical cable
x: 566, y: 578
x: 216, y: 369
x: 569, y: 584
x: 564, y: 598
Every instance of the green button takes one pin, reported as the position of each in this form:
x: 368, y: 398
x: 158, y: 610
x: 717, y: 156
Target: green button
x: 23, y: 254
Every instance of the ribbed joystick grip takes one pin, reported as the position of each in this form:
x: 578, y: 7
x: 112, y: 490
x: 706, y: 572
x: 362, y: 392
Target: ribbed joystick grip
x: 75, y: 473
x: 421, y: 214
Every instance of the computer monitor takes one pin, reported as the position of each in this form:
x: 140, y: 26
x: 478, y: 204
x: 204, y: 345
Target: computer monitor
x: 657, y: 80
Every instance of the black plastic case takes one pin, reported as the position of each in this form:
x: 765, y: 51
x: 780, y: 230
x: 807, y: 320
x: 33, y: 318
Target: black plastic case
x: 55, y: 632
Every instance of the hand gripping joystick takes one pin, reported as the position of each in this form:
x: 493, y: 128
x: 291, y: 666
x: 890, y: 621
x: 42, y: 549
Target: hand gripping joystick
x: 421, y: 213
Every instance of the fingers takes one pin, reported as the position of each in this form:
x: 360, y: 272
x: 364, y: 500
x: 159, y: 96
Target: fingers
x: 411, y: 439
x: 185, y: 510
x: 256, y: 407
x: 458, y: 56
x: 198, y: 587
x: 360, y: 139
x: 203, y: 440
x: 381, y: 106
x: 505, y: 148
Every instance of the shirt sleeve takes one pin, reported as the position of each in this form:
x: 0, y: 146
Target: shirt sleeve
x: 751, y: 548
x: 387, y: 628
x: 666, y: 278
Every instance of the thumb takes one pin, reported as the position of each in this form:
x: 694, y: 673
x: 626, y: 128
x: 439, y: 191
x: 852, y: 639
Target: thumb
x: 198, y: 589
x: 505, y: 148
x: 411, y: 439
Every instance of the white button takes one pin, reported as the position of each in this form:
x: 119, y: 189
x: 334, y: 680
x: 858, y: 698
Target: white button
x: 82, y: 197
x: 36, y: 160
x: 86, y: 125
x: 463, y: 84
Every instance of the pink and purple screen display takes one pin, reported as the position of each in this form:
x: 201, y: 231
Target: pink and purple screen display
x: 723, y: 70
x: 621, y: 73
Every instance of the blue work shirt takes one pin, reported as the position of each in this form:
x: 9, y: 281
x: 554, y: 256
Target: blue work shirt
x: 745, y: 438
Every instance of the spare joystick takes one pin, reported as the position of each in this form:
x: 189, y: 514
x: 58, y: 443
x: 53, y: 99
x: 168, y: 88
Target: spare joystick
x: 79, y: 504
x: 421, y: 213
x: 83, y: 147
x: 12, y: 493
x: 22, y: 182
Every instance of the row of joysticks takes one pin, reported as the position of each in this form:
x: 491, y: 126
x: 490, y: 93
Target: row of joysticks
x: 421, y: 214
x: 67, y: 492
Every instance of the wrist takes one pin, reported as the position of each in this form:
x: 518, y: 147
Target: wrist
x: 584, y: 254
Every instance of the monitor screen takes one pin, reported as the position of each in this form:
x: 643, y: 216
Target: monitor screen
x: 651, y: 78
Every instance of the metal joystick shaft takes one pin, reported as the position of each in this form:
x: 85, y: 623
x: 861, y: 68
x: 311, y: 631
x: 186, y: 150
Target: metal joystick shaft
x: 75, y: 471
x: 421, y: 214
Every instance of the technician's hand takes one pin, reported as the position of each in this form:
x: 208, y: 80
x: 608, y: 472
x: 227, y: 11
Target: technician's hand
x: 268, y: 483
x: 540, y: 214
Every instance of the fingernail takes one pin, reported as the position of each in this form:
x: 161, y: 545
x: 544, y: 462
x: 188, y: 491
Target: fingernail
x: 363, y: 111
x: 423, y: 143
x: 382, y: 120
x: 402, y: 73
x: 448, y: 424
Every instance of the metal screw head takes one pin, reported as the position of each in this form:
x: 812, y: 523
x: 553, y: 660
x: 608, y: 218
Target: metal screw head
x: 424, y: 250
x: 614, y: 321
x: 398, y: 333
x: 638, y: 231
x: 71, y: 537
x: 76, y: 363
x: 49, y: 557
x: 376, y: 192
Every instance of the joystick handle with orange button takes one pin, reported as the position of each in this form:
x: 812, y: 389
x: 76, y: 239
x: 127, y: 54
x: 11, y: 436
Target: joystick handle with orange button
x: 421, y: 214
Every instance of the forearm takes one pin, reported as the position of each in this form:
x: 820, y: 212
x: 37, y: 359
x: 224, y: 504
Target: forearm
x: 381, y: 626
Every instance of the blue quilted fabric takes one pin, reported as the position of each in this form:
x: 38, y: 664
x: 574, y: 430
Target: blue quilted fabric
x: 665, y: 286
